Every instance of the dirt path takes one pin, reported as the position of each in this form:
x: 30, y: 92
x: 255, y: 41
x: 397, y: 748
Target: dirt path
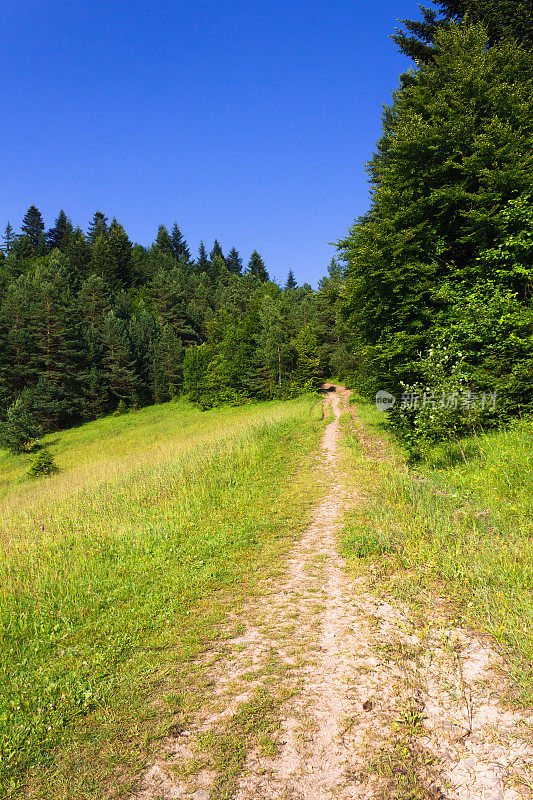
x: 369, y: 703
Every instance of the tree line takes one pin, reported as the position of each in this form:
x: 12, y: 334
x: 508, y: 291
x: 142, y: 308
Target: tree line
x: 91, y: 323
x: 439, y: 272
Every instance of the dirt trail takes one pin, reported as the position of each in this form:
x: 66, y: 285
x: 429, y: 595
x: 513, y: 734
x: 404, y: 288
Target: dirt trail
x: 374, y: 705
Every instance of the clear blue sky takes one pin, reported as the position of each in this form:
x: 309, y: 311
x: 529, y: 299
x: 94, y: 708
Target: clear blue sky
x: 247, y: 121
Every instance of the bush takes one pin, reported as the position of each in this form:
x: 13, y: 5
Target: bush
x: 42, y: 464
x: 122, y: 408
x: 447, y: 406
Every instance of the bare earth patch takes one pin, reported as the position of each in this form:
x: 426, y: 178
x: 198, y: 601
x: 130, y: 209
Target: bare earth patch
x: 327, y: 691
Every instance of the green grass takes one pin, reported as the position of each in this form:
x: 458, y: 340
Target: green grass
x: 121, y: 568
x: 459, y: 535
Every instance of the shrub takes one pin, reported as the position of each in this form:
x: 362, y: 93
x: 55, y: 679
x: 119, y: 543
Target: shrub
x: 42, y: 464
x: 122, y: 408
x: 447, y: 406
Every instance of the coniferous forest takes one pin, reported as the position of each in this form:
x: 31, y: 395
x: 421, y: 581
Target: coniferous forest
x: 431, y: 292
x: 92, y: 324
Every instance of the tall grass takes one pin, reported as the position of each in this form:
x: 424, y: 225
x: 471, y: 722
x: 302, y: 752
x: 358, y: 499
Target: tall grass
x: 97, y: 580
x: 462, y: 532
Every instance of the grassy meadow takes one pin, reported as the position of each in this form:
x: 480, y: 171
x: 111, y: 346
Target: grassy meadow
x: 457, y: 536
x: 117, y: 570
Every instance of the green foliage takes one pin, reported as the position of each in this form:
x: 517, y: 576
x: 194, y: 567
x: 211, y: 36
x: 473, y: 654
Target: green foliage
x: 33, y: 226
x: 444, y: 256
x: 291, y: 281
x: 502, y: 19
x: 19, y: 430
x: 479, y: 371
x: 9, y: 238
x: 256, y: 266
x: 42, y: 464
x: 98, y: 227
x: 96, y: 321
x: 61, y: 234
x: 122, y: 408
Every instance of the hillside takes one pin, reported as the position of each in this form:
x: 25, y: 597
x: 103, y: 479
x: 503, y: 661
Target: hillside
x: 223, y: 608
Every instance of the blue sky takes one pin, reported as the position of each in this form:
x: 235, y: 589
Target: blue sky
x: 246, y: 121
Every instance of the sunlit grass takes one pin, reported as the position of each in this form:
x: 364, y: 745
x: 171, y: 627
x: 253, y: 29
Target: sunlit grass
x: 107, y: 566
x: 460, y: 531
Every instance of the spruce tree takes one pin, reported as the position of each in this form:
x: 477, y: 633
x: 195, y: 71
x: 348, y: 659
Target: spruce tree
x: 118, y: 360
x: 16, y: 318
x: 163, y: 242
x: 58, y: 356
x: 33, y: 227
x: 94, y: 302
x: 291, y: 281
x: 256, y: 266
x: 234, y: 262
x: 202, y: 262
x: 79, y: 253
x: 19, y: 430
x: 179, y: 246
x: 9, y: 238
x: 98, y: 227
x: 120, y: 249
x: 216, y: 251
x: 102, y: 261
x: 22, y: 248
x: 167, y: 358
x: 61, y: 234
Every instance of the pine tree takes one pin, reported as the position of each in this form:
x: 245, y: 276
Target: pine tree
x: 79, y: 253
x: 94, y: 302
x: 102, y: 261
x: 98, y: 227
x: 234, y: 262
x: 19, y: 430
x: 202, y: 263
x: 120, y: 249
x: 168, y: 291
x: 216, y: 251
x: 256, y: 266
x: 58, y: 356
x: 217, y: 269
x: 167, y: 358
x: 118, y: 360
x: 22, y: 248
x: 273, y: 350
x: 33, y: 227
x: 61, y: 234
x: 16, y: 315
x: 163, y: 242
x: 291, y: 281
x: 9, y: 238
x: 179, y: 246
x: 308, y: 358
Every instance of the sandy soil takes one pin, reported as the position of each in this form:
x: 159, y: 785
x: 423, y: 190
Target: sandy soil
x: 377, y: 704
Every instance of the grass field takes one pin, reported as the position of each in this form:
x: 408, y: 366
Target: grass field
x: 455, y: 535
x: 117, y: 570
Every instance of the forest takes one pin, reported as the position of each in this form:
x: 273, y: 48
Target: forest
x: 429, y: 296
x: 92, y: 324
